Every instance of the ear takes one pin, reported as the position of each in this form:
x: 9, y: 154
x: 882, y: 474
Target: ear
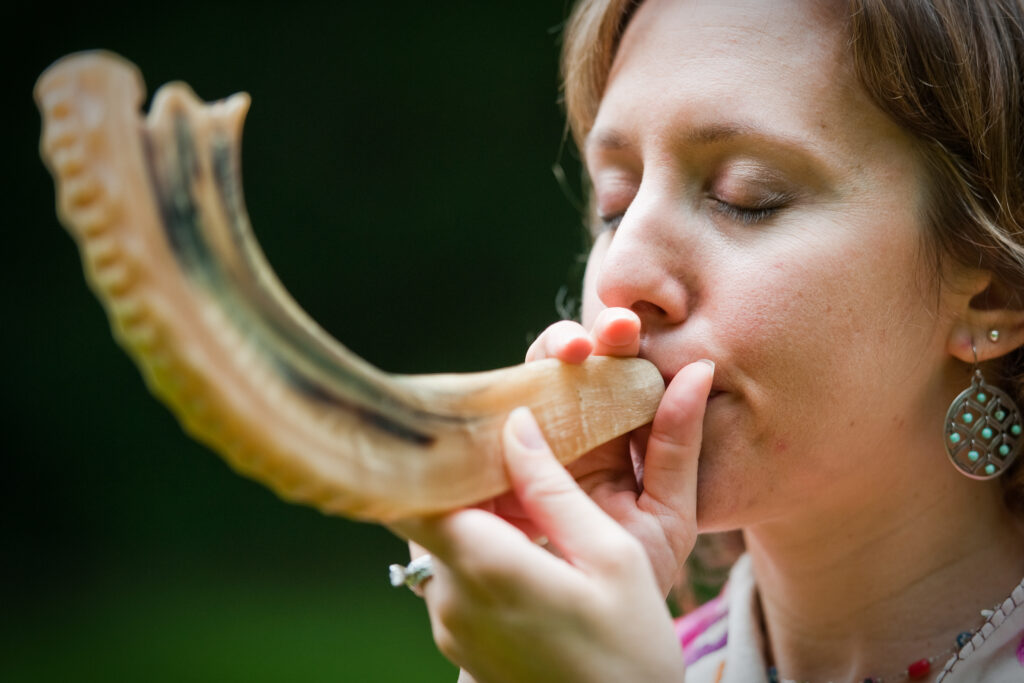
x: 989, y: 305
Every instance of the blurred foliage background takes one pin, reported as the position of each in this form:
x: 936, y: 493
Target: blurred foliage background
x: 398, y: 171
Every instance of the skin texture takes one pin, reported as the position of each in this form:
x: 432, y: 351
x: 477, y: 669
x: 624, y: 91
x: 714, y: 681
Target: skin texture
x: 760, y: 212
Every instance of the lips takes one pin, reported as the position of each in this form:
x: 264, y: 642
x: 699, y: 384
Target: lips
x: 716, y: 390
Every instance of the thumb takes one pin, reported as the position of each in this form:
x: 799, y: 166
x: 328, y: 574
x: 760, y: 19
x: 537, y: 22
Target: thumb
x: 549, y: 495
x: 673, y: 449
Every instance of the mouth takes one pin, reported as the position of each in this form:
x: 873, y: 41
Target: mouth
x: 715, y: 392
x: 667, y: 377
x: 639, y: 437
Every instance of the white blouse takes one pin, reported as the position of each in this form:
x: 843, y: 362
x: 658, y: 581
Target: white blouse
x: 722, y: 641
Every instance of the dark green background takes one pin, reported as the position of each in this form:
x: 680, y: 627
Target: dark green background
x: 398, y: 170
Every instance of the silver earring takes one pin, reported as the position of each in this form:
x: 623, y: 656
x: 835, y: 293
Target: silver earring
x: 983, y: 429
x: 993, y: 336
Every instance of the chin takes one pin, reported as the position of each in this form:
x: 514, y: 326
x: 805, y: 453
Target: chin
x: 724, y: 500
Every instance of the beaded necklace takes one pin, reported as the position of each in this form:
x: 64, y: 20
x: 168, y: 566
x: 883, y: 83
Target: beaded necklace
x: 967, y: 643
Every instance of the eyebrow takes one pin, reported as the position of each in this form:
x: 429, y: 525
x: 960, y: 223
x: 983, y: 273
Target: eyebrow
x: 722, y: 132
x: 805, y: 154
x: 708, y: 134
x: 608, y: 138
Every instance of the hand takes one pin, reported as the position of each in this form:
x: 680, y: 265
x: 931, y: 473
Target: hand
x: 505, y: 609
x: 652, y: 495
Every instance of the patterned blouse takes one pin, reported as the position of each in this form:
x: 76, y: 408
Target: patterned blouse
x: 722, y: 641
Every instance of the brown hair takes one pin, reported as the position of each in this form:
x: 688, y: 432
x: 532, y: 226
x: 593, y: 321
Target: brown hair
x: 949, y: 72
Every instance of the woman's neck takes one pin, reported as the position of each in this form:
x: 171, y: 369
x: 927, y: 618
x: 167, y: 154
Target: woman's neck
x: 847, y: 595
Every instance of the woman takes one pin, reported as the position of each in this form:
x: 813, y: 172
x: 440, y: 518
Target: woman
x: 821, y: 202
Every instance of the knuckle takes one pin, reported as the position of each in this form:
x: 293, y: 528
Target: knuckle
x: 488, y: 572
x: 442, y: 610
x: 445, y: 642
x: 549, y: 487
x: 449, y: 619
x: 666, y: 436
x: 624, y: 554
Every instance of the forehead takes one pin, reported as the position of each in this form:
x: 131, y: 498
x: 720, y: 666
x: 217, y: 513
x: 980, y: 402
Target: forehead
x: 793, y: 34
x: 733, y: 60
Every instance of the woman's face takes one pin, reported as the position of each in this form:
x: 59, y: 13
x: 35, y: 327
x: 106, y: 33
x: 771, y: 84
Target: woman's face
x: 760, y: 211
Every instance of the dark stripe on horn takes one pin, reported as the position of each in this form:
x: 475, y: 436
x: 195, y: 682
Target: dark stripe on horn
x: 317, y: 392
x: 172, y: 179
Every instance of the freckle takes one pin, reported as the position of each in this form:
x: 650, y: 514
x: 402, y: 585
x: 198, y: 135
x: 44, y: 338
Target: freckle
x: 853, y: 422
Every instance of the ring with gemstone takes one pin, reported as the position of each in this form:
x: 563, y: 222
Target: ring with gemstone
x: 413, y: 574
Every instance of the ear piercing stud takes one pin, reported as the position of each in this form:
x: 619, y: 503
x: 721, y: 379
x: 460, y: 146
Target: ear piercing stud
x: 993, y: 336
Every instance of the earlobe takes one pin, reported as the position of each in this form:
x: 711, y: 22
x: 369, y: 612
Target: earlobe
x: 990, y: 326
x: 983, y: 426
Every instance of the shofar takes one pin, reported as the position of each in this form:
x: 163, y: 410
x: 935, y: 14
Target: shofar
x: 155, y: 205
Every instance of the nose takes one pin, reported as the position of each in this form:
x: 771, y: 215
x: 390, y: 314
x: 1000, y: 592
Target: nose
x: 644, y: 267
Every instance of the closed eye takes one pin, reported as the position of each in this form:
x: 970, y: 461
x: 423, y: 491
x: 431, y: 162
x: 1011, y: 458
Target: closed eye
x: 746, y: 215
x: 758, y: 210
x: 608, y: 223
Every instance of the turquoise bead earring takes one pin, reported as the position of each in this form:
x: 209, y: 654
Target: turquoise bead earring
x: 983, y: 427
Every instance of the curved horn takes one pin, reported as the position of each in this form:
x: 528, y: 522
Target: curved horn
x: 156, y: 207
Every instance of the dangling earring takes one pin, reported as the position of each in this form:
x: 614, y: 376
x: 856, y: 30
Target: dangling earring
x: 983, y: 428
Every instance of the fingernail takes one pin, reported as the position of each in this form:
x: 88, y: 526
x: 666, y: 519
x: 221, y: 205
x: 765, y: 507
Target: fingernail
x: 525, y: 429
x: 707, y: 361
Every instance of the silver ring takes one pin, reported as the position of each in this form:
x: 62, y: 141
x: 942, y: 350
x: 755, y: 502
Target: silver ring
x: 412, y: 574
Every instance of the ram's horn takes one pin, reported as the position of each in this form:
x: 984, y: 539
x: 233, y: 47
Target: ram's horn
x: 156, y: 207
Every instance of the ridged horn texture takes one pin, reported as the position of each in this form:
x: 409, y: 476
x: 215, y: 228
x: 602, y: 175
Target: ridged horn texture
x: 155, y: 205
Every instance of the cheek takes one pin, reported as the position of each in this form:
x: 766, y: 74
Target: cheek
x: 817, y: 347
x: 830, y: 310
x: 769, y: 315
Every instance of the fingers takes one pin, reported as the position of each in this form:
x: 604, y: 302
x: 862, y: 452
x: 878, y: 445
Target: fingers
x: 507, y: 507
x: 565, y: 340
x: 552, y: 505
x: 480, y: 545
x: 673, y: 449
x: 554, y: 501
x: 470, y: 541
x: 616, y: 332
x: 495, y: 592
